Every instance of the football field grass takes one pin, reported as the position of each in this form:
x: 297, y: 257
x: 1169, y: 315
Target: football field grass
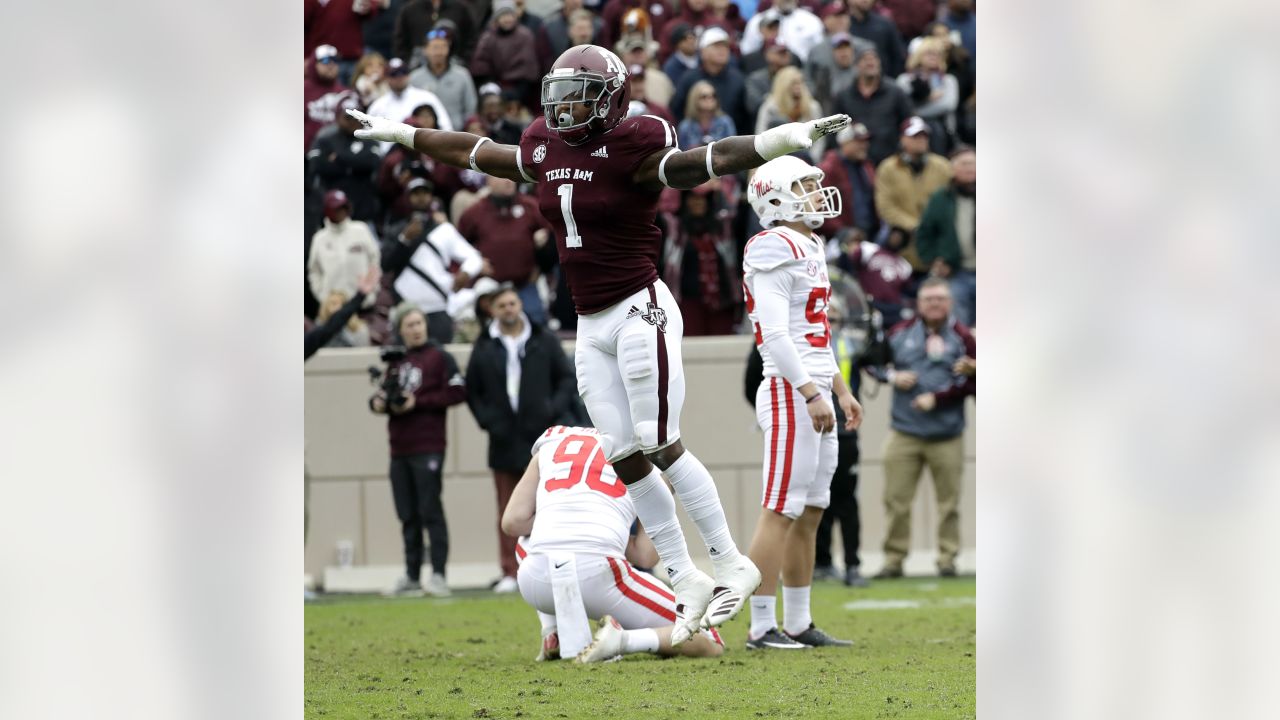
x: 471, y: 656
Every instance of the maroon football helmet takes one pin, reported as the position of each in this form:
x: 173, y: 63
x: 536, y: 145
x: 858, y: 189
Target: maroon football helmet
x: 591, y: 75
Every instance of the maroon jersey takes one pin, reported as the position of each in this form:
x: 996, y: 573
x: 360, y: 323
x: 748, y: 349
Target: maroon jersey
x: 604, y: 222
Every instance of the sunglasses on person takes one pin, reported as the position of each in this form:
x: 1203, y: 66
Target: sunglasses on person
x: 438, y: 35
x: 327, y: 60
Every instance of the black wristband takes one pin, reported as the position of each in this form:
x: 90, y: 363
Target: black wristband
x: 815, y: 397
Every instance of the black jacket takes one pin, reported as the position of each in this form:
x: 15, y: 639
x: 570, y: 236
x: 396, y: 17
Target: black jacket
x: 344, y: 162
x: 548, y: 392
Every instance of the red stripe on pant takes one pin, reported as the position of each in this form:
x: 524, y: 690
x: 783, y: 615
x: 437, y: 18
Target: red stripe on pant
x: 520, y: 551
x: 631, y: 594
x: 657, y: 590
x: 773, y: 439
x: 662, y: 373
x: 791, y: 446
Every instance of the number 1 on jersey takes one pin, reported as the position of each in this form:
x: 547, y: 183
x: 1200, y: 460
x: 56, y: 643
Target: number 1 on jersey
x: 571, y: 237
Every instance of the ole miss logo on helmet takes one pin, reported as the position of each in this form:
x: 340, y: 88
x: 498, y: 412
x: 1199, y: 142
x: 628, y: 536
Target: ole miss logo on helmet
x: 762, y: 186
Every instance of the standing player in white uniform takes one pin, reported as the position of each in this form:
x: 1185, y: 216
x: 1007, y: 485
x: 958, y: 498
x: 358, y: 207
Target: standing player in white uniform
x: 578, y: 517
x: 599, y: 176
x: 787, y: 293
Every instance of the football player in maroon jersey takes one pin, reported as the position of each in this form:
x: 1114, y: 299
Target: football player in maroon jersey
x: 599, y: 175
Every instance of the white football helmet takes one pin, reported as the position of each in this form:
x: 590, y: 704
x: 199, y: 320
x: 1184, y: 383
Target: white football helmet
x: 776, y: 194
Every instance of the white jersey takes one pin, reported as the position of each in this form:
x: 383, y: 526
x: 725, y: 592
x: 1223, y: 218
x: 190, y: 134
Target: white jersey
x: 581, y: 505
x: 782, y: 266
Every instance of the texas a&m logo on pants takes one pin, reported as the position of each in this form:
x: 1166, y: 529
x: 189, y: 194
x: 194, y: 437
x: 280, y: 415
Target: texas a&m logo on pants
x: 655, y: 316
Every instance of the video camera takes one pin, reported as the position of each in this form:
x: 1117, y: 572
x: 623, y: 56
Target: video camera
x: 388, y: 378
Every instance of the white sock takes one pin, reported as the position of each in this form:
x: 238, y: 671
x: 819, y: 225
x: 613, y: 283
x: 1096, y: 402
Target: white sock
x: 764, y: 614
x: 548, y: 622
x: 638, y: 641
x: 795, y: 609
x: 657, y: 512
x: 698, y: 494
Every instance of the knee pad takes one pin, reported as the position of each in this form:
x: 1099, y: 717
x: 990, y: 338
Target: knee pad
x: 647, y: 434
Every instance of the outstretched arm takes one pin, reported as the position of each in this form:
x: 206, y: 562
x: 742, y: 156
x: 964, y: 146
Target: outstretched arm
x: 684, y: 169
x: 459, y: 149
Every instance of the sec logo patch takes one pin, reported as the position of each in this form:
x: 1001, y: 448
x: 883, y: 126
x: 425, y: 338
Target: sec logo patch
x: 540, y: 153
x: 812, y: 267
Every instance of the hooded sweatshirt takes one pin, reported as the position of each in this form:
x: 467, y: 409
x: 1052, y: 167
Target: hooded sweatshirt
x: 319, y: 99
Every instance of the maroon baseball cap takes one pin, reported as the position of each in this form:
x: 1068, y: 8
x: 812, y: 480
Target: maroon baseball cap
x: 335, y: 200
x: 841, y: 38
x: 833, y: 8
x: 396, y: 66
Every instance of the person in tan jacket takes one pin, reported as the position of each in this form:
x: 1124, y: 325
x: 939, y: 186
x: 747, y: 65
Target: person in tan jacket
x: 905, y: 181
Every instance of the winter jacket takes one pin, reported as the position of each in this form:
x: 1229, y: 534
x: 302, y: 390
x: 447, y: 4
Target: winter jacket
x: 505, y: 236
x: 508, y: 59
x: 908, y: 343
x: 936, y: 237
x: 347, y: 163
x: 837, y: 174
x: 901, y: 193
x: 548, y: 390
x: 883, y: 113
x: 731, y: 90
x: 455, y: 89
x: 884, y: 34
x: 336, y: 23
x: 319, y: 101
x: 419, y: 16
x: 340, y: 254
x: 431, y: 375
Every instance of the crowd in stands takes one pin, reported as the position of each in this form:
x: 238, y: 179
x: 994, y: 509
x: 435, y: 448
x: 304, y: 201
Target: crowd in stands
x: 902, y: 69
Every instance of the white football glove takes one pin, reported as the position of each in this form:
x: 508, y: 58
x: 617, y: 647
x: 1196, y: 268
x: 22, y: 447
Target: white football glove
x: 382, y: 129
x: 788, y: 138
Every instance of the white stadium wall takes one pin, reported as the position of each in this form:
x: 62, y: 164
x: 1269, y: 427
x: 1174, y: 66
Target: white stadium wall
x: 350, y: 498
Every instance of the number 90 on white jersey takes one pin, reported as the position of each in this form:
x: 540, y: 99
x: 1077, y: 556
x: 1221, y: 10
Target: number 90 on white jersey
x: 581, y: 505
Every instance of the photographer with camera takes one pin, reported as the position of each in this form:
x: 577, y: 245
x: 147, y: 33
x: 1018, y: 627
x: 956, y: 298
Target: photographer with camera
x: 419, y: 253
x: 418, y: 385
x: 934, y: 94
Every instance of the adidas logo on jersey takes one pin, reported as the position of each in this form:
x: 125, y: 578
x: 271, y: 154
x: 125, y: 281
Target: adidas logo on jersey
x: 633, y: 312
x: 602, y: 153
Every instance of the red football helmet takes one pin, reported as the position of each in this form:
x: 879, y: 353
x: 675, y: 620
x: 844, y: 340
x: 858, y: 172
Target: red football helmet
x: 590, y: 75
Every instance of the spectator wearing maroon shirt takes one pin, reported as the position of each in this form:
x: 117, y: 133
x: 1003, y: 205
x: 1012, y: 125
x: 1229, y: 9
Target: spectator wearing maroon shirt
x: 321, y: 92
x: 911, y: 16
x: 700, y: 261
x: 508, y: 230
x: 882, y: 272
x: 429, y: 383
x: 660, y: 12
x: 339, y: 23
x: 506, y: 54
x: 639, y: 79
x: 848, y: 169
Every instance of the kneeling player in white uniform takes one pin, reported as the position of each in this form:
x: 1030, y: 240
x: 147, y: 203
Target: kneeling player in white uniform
x: 787, y: 293
x: 577, y: 515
